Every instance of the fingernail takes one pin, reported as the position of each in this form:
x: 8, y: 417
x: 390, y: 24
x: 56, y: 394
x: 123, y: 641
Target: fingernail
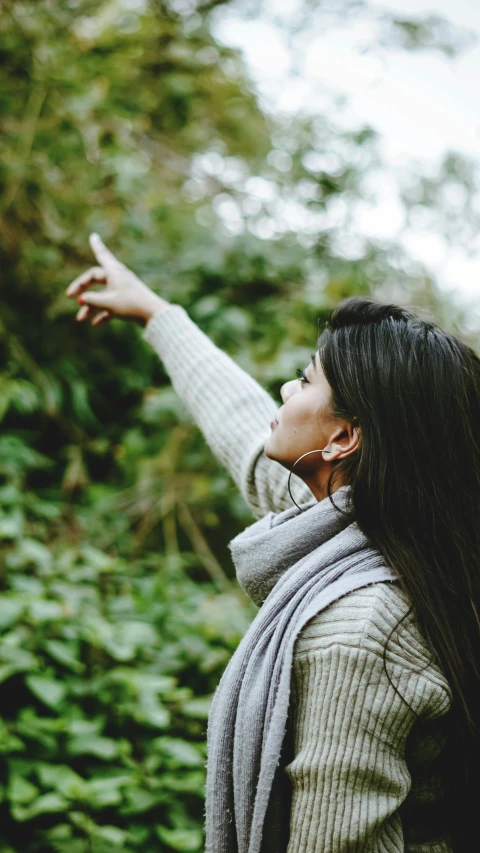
x: 81, y: 300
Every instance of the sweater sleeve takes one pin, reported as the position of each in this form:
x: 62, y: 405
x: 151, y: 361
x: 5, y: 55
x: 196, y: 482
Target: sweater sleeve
x: 232, y: 410
x: 349, y: 773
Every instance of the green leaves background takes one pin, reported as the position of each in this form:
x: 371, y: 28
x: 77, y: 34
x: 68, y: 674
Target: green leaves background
x: 107, y: 668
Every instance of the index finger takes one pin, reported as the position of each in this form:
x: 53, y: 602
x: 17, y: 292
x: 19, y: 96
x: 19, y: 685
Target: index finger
x: 103, y: 255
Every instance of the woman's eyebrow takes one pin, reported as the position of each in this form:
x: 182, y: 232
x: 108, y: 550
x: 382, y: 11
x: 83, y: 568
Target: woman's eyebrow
x: 314, y: 360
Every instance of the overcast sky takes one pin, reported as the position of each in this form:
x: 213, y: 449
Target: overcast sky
x: 423, y: 104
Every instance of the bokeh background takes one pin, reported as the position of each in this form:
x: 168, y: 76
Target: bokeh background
x: 146, y: 121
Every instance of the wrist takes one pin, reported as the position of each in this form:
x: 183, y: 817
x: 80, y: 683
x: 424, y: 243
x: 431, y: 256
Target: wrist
x: 154, y: 305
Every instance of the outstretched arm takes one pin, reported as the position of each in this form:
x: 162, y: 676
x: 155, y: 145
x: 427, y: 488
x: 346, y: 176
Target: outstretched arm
x: 232, y: 410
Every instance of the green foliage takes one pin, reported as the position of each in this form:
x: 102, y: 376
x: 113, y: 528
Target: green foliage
x: 119, y: 610
x: 107, y: 668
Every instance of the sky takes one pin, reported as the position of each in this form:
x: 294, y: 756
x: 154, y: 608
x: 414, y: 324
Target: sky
x: 423, y: 104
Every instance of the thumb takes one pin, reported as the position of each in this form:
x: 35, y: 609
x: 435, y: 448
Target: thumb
x: 104, y: 256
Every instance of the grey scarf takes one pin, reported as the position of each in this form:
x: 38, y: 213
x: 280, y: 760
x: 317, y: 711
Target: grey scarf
x: 292, y: 565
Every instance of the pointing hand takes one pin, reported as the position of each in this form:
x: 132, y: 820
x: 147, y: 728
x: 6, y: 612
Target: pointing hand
x: 125, y: 296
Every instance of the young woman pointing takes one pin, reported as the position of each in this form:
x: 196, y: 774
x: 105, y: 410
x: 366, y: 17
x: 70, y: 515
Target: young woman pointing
x: 347, y: 719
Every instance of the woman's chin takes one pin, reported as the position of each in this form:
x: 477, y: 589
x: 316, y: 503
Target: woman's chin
x: 268, y: 448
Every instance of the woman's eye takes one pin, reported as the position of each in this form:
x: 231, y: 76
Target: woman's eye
x: 301, y: 375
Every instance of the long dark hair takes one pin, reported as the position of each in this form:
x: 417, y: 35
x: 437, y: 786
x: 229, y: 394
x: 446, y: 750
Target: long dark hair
x: 414, y: 391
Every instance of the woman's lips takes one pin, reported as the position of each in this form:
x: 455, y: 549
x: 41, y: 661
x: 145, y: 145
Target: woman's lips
x: 274, y: 423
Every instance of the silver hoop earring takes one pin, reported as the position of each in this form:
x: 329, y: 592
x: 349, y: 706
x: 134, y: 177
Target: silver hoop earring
x: 325, y: 450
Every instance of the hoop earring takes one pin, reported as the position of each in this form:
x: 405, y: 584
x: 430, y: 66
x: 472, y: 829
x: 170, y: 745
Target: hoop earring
x: 291, y: 472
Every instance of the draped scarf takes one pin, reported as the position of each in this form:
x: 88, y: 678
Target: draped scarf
x: 292, y: 564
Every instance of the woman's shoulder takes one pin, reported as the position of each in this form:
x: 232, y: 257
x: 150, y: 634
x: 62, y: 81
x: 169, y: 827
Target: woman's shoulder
x: 360, y: 618
x: 370, y: 619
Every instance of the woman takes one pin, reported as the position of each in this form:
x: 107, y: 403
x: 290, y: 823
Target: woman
x: 368, y: 583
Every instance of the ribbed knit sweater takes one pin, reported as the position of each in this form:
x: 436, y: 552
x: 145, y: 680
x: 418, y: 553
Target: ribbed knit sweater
x: 361, y: 771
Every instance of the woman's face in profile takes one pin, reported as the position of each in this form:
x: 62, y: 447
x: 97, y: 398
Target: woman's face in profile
x: 305, y: 422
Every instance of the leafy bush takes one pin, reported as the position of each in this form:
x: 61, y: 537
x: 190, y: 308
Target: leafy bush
x: 107, y: 669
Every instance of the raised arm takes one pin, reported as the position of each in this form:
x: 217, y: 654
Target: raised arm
x: 232, y: 410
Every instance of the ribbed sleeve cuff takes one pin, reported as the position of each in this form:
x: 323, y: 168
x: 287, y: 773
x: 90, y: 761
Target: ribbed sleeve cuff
x: 166, y: 327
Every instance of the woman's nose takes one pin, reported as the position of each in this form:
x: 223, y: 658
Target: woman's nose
x: 287, y: 390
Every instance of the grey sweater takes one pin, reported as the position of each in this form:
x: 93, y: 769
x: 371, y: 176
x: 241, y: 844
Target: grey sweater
x: 363, y: 773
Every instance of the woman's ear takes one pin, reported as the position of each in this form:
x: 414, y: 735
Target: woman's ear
x: 345, y: 441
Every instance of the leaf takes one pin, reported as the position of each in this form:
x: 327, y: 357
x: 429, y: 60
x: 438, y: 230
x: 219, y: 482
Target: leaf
x: 63, y: 779
x: 136, y: 634
x: 10, y: 494
x: 13, y: 653
x: 11, y: 526
x: 24, y: 663
x: 128, y: 638
x: 47, y: 690
x: 180, y: 752
x: 100, y: 561
x: 16, y: 456
x: 20, y: 790
x: 45, y: 509
x: 28, y: 584
x: 85, y: 727
x: 112, y: 834
x: 30, y: 551
x: 44, y: 730
x: 103, y: 747
x: 192, y: 782
x: 9, y: 743
x: 80, y: 403
x: 10, y: 669
x: 65, y: 653
x: 10, y: 610
x: 150, y: 710
x: 48, y: 803
x: 106, y: 791
x: 186, y: 840
x: 198, y: 707
x: 140, y: 680
x: 43, y: 610
x: 139, y: 800
x: 60, y: 832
